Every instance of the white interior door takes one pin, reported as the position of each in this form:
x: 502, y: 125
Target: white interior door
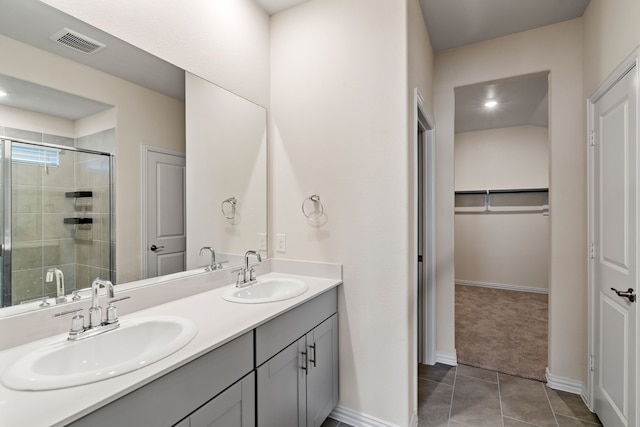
x: 614, y: 183
x: 165, y: 250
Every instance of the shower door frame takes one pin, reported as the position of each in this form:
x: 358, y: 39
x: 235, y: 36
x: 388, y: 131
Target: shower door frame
x: 6, y: 243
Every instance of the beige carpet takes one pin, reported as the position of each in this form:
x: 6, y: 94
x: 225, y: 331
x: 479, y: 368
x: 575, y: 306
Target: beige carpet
x: 502, y: 330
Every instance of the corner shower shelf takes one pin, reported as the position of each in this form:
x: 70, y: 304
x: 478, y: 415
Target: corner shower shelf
x: 76, y: 194
x: 78, y: 220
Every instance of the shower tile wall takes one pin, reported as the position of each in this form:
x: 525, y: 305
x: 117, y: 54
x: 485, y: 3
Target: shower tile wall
x: 39, y: 236
x: 41, y: 239
x: 93, y: 242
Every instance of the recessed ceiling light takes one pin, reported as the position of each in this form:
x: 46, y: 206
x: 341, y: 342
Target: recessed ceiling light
x: 490, y: 104
x: 3, y: 93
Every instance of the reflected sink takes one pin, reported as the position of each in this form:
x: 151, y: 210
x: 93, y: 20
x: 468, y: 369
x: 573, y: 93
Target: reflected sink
x: 135, y: 344
x: 266, y: 290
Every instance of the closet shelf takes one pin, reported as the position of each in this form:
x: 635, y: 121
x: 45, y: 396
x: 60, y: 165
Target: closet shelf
x: 505, y: 191
x: 511, y: 201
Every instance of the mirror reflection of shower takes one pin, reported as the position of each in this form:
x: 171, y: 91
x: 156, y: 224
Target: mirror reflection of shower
x: 57, y: 216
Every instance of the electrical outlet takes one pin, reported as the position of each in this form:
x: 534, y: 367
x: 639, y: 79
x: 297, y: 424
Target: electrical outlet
x: 262, y: 241
x: 281, y: 243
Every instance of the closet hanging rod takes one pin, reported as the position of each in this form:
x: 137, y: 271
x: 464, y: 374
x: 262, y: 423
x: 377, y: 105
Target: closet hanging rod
x: 505, y: 191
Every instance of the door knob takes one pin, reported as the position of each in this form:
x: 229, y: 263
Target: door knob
x: 629, y: 293
x: 154, y: 248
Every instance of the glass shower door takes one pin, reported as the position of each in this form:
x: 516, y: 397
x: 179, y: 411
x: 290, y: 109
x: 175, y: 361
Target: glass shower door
x: 59, y: 217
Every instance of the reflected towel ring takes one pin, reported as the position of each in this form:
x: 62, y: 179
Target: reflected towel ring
x: 316, y: 204
x: 230, y: 212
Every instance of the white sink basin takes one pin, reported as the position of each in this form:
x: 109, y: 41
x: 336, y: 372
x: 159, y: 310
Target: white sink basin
x: 135, y: 344
x: 266, y: 290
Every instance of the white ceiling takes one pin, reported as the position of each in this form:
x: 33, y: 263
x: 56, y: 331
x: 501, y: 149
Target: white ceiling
x: 32, y: 22
x: 454, y: 23
x: 44, y: 100
x: 521, y: 101
x: 451, y: 23
x: 275, y: 6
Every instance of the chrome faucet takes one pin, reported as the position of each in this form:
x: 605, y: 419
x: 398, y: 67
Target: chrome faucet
x: 59, y: 283
x: 247, y: 276
x: 213, y: 265
x: 96, y: 323
x: 95, y: 312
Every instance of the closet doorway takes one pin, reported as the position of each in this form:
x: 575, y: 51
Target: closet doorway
x: 502, y: 225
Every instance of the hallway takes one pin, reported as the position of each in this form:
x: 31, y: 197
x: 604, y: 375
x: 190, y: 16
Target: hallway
x: 466, y: 396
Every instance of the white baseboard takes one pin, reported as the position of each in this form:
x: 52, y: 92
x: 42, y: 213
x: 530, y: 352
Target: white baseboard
x: 414, y: 420
x: 503, y: 286
x: 450, y: 359
x: 359, y: 419
x: 564, y: 384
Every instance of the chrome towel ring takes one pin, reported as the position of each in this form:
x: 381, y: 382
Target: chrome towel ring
x: 312, y: 207
x: 228, y: 207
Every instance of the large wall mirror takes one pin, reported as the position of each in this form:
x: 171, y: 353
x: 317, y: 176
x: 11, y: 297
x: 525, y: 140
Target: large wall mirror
x: 129, y: 110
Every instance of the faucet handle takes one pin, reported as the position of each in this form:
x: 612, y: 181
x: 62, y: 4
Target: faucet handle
x: 112, y: 311
x: 77, y: 324
x: 68, y: 312
x: 240, y: 278
x: 77, y: 321
x: 114, y: 300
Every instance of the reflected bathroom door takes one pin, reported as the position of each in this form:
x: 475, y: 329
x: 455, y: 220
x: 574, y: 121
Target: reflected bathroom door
x: 165, y: 212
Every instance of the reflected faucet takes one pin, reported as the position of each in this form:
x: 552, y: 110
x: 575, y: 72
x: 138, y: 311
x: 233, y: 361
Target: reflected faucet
x: 212, y: 266
x: 59, y: 283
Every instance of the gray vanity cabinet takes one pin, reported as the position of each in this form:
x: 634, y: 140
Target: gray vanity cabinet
x: 282, y: 392
x: 284, y: 373
x: 234, y: 407
x: 201, y: 385
x: 322, y: 371
x: 298, y: 386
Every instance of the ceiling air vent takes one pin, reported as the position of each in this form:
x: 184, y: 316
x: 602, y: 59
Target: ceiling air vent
x: 77, y: 41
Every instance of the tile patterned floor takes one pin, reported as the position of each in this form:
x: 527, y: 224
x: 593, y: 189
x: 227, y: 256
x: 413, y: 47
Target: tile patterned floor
x: 466, y: 396
x: 330, y: 422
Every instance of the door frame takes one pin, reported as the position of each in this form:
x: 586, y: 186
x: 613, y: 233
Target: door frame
x: 631, y: 61
x: 145, y: 150
x: 429, y: 221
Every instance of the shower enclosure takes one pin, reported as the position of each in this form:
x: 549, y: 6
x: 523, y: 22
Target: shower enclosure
x: 57, y: 205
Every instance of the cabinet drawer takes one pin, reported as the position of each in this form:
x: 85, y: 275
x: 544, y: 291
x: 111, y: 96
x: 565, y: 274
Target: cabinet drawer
x: 235, y: 407
x: 278, y: 333
x: 170, y: 398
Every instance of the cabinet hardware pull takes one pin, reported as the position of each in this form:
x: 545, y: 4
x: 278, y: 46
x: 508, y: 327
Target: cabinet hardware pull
x: 305, y: 360
x: 314, y: 355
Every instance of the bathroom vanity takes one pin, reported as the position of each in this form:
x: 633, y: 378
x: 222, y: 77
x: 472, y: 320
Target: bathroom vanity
x: 269, y: 364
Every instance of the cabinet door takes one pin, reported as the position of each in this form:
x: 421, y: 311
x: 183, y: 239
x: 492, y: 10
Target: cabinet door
x: 235, y: 407
x: 322, y: 378
x: 281, y: 388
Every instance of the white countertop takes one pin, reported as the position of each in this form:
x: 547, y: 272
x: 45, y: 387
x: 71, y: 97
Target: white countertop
x: 219, y: 322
